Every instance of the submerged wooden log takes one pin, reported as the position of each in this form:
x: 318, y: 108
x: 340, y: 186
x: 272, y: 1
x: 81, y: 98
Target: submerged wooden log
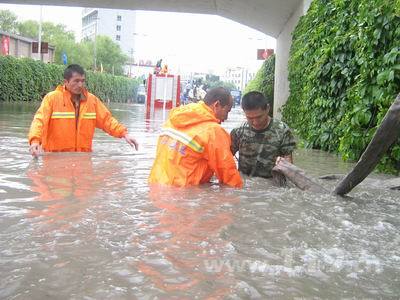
x: 384, y: 137
x: 331, y: 177
x: 297, y: 176
x: 392, y: 184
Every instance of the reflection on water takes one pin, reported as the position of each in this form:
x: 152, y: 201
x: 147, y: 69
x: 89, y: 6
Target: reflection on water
x: 79, y: 225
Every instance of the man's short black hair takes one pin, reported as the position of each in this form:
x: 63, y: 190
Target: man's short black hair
x: 217, y: 94
x: 254, y: 100
x: 71, y: 69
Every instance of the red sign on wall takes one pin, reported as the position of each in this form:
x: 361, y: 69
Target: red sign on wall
x: 5, y: 45
x: 263, y: 54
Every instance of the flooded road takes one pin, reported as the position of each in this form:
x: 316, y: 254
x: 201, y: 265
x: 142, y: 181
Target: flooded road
x: 87, y: 226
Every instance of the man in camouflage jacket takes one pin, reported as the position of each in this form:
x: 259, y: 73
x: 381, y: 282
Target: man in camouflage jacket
x: 261, y: 140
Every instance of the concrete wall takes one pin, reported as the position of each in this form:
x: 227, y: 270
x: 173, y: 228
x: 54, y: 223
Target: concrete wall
x: 283, y: 43
x: 19, y: 48
x: 24, y: 49
x: 12, y: 49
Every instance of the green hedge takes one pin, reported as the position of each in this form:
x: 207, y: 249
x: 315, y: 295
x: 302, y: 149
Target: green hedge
x: 344, y: 73
x: 29, y: 80
x: 263, y: 82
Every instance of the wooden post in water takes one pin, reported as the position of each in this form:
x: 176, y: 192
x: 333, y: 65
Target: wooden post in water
x: 297, y: 176
x: 384, y: 137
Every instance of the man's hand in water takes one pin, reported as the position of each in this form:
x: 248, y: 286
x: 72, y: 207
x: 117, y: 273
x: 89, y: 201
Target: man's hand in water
x: 131, y: 141
x: 287, y: 158
x: 35, y: 149
x: 278, y: 160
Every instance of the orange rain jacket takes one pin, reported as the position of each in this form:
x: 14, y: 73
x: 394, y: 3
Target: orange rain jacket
x: 56, y: 127
x: 192, y: 147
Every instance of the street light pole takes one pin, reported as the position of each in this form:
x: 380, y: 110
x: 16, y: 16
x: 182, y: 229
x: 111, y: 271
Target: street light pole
x: 95, y: 46
x: 131, y: 63
x: 40, y: 33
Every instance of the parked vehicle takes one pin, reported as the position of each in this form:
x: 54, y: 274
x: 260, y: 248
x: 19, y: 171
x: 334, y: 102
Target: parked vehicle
x: 141, y: 94
x: 236, y: 95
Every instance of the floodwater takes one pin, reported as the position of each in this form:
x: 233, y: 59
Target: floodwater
x: 87, y: 226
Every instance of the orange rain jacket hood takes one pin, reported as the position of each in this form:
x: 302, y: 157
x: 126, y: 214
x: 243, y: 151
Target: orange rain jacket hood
x: 192, y: 148
x: 57, y: 128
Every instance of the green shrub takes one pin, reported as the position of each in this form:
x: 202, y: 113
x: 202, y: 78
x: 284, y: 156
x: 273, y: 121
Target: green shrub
x: 344, y: 73
x: 263, y: 82
x: 29, y: 80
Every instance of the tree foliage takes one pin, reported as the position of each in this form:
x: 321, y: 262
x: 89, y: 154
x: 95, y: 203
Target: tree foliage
x: 344, y: 73
x: 213, y: 81
x: 8, y: 21
x: 29, y: 28
x: 264, y: 80
x: 109, y: 54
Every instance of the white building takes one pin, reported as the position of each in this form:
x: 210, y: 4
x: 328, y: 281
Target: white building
x: 239, y: 76
x: 117, y: 24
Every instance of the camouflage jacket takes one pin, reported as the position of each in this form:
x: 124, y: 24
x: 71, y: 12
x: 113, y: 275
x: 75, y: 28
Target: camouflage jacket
x: 258, y: 149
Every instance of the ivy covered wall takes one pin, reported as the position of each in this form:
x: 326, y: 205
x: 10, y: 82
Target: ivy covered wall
x: 344, y: 73
x: 263, y: 82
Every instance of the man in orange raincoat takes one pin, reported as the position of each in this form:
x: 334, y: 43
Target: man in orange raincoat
x: 68, y: 116
x: 193, y: 146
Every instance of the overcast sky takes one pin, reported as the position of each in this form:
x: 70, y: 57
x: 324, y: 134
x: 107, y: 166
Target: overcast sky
x: 188, y: 42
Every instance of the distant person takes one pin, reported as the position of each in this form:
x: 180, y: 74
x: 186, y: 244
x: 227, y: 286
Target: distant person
x: 164, y: 70
x: 157, y: 68
x: 262, y: 140
x: 195, y: 89
x: 68, y: 116
x: 193, y: 146
x: 186, y: 93
x: 201, y: 93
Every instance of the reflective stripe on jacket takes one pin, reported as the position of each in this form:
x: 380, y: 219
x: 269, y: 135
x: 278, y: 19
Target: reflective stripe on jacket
x: 56, y: 127
x: 192, y: 148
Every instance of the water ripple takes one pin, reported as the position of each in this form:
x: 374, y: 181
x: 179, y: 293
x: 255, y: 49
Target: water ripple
x: 88, y: 226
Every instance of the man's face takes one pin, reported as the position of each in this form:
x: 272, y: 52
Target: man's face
x: 221, y: 112
x: 258, y: 118
x: 75, y: 84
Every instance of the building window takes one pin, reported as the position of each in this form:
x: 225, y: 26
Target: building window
x: 118, y: 37
x: 119, y: 18
x: 118, y: 27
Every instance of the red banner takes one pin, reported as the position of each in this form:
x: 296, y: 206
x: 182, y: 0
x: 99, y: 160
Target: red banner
x: 5, y: 45
x: 263, y: 54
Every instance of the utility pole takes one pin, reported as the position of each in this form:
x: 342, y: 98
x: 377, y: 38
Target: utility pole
x: 40, y: 33
x: 131, y: 64
x: 95, y: 46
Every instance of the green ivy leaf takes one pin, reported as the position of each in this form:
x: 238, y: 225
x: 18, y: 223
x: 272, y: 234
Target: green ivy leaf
x: 382, y: 77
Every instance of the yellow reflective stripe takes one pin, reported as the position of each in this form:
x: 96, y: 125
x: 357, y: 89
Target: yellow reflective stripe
x: 63, y: 115
x: 89, y: 116
x: 183, y: 138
